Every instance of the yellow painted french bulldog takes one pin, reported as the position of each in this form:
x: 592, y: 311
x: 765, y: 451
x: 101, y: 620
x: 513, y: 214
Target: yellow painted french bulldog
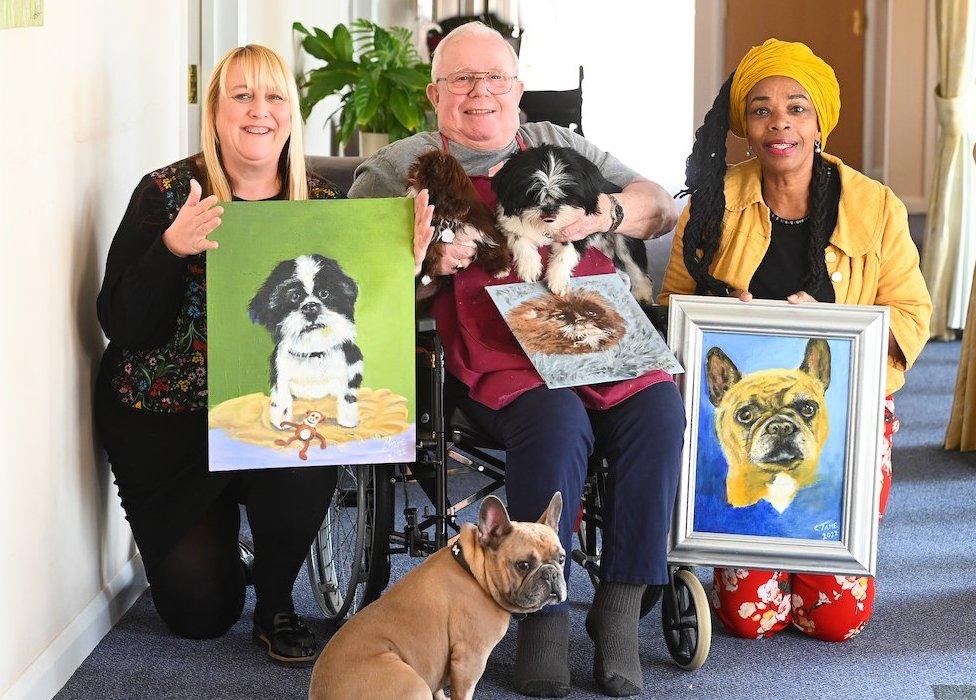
x: 772, y: 425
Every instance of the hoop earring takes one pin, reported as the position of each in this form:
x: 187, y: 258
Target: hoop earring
x: 817, y: 146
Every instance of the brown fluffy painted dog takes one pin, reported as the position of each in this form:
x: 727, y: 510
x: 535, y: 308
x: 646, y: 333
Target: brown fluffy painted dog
x: 438, y: 624
x: 580, y: 322
x: 772, y: 425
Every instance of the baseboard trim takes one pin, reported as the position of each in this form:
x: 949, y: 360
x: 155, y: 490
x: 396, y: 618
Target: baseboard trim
x: 51, y: 670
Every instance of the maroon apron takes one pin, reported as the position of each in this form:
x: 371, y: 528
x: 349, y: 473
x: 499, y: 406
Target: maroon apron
x: 479, y: 348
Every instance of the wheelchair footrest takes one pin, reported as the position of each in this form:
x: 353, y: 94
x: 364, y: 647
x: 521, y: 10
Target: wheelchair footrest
x: 591, y: 564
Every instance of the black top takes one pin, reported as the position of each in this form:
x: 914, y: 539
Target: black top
x: 785, y: 264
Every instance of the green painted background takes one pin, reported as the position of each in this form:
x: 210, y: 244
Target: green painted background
x: 372, y: 240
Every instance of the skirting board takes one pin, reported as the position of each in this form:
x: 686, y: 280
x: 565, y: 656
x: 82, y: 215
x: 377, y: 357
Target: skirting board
x: 52, y: 669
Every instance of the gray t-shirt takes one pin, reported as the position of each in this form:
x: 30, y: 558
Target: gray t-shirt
x: 385, y: 174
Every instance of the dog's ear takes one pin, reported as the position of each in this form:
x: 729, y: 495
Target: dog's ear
x: 259, y: 309
x: 349, y: 286
x: 553, y: 511
x: 720, y: 373
x: 816, y: 360
x: 493, y: 522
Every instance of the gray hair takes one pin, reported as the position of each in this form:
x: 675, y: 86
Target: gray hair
x: 470, y: 29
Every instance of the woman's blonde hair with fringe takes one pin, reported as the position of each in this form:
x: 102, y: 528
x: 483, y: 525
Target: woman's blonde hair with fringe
x: 261, y: 67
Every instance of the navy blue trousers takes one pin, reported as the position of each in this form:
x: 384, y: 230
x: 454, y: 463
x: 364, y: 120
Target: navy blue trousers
x: 549, y: 436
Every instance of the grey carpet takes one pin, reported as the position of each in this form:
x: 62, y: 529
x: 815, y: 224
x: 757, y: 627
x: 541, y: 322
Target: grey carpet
x: 920, y: 644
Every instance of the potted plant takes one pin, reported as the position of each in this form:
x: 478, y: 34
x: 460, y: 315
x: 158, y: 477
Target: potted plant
x: 380, y: 76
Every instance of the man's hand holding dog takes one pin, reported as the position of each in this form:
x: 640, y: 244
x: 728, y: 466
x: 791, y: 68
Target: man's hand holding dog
x: 196, y: 220
x: 586, y: 224
x: 443, y: 258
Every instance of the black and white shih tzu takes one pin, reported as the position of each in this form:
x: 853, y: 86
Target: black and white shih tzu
x: 538, y: 190
x: 308, y: 306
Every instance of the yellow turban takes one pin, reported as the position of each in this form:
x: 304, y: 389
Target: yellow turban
x: 792, y: 60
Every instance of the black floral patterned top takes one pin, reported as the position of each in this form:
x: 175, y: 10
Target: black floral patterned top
x: 153, y: 304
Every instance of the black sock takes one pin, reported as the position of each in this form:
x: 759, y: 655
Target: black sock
x: 542, y: 656
x: 612, y: 625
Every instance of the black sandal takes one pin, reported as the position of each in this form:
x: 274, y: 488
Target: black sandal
x: 289, y: 642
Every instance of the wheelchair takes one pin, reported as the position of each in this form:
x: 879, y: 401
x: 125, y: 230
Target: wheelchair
x: 349, y: 561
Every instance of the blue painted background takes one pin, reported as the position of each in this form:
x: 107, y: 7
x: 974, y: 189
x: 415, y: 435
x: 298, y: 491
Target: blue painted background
x: 817, y: 505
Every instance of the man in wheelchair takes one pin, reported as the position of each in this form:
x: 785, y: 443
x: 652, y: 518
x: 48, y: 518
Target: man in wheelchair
x: 549, y: 435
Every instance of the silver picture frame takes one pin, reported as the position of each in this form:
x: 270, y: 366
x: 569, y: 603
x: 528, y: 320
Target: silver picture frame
x: 853, y: 548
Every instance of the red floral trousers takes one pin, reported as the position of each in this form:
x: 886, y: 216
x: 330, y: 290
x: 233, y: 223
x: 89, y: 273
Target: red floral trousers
x: 755, y: 603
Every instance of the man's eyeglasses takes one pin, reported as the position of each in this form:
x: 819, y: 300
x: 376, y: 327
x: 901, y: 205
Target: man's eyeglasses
x: 463, y: 82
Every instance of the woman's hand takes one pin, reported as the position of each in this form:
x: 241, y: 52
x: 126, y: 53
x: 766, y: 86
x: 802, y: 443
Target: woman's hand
x: 741, y: 294
x: 442, y: 258
x: 196, y: 220
x: 800, y: 298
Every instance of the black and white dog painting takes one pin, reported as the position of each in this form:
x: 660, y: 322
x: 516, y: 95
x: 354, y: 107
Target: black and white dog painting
x: 308, y: 306
x: 540, y: 191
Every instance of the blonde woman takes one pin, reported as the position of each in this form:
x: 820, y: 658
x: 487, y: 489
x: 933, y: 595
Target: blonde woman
x: 151, y: 394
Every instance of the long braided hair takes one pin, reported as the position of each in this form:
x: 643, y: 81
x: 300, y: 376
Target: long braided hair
x: 705, y: 181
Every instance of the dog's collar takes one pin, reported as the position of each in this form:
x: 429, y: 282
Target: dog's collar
x: 458, y: 552
x: 306, y: 355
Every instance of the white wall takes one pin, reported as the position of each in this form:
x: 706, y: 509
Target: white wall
x: 638, y: 86
x: 91, y: 102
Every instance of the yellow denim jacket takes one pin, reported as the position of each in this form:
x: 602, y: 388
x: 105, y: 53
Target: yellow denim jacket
x: 871, y: 258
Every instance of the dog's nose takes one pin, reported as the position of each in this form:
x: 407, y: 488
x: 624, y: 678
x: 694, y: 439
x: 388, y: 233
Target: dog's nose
x: 550, y: 574
x: 311, y: 308
x: 780, y: 428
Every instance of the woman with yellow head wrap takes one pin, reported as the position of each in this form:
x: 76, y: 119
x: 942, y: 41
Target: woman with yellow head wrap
x: 795, y: 223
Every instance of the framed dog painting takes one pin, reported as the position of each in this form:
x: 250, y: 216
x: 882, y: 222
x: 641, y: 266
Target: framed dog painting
x: 785, y: 409
x: 311, y: 334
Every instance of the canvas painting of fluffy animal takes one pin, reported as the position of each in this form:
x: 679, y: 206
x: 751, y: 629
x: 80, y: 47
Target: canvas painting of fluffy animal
x: 773, y: 418
x: 595, y: 332
x: 310, y: 354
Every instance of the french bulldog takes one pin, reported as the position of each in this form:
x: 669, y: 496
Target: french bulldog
x: 437, y: 625
x: 772, y: 425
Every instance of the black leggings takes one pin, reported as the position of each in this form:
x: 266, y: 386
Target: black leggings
x: 198, y: 586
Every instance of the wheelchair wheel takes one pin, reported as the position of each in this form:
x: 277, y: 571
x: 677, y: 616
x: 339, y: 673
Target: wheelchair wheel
x: 687, y: 620
x: 349, y: 564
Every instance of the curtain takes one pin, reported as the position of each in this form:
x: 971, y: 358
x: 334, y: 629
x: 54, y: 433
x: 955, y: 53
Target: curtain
x: 961, y: 431
x: 950, y: 234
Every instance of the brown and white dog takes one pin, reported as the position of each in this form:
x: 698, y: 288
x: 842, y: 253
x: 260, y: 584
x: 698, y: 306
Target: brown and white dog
x: 437, y: 625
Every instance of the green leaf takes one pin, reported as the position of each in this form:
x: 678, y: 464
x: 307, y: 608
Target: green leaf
x: 403, y: 110
x: 408, y: 78
x: 334, y: 76
x: 319, y: 45
x: 382, y: 41
x: 346, y: 125
x: 367, y: 100
x: 299, y: 27
x: 342, y: 42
